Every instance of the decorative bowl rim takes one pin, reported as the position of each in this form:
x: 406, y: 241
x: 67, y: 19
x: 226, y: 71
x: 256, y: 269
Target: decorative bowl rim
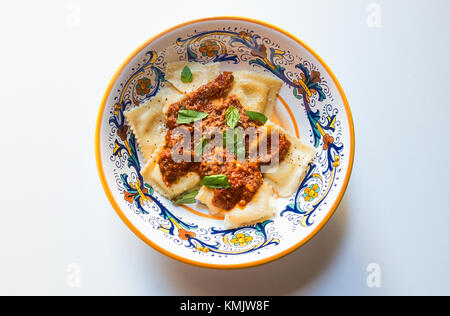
x: 121, y: 214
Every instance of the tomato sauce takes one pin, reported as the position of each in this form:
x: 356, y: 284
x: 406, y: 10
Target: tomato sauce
x: 244, y: 177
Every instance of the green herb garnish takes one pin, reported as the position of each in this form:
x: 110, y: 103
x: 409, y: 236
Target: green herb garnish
x: 189, y: 116
x: 186, y: 75
x: 200, y: 146
x: 188, y: 198
x: 218, y: 181
x: 256, y: 116
x: 232, y: 116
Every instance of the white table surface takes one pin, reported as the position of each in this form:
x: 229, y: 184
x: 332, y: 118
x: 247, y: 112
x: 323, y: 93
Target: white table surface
x: 57, y: 58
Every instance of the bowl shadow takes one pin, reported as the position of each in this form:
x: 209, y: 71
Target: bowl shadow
x: 292, y: 273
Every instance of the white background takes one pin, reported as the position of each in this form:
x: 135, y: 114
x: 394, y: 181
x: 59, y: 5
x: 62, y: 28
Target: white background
x: 57, y: 58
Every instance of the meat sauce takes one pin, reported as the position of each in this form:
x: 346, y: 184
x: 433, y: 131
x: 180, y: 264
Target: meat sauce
x: 244, y: 177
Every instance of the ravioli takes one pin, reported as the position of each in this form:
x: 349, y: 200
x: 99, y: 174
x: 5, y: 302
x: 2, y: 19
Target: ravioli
x: 202, y: 74
x: 287, y: 175
x: 152, y: 175
x: 147, y: 121
x: 256, y: 91
x: 262, y: 206
x: 170, y: 95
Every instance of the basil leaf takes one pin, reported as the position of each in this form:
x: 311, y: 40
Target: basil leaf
x: 218, y: 181
x: 188, y: 198
x: 186, y: 75
x: 189, y: 116
x: 200, y: 146
x: 256, y: 116
x: 232, y: 116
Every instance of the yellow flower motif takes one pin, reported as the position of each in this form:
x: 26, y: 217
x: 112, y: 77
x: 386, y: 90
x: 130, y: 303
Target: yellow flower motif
x: 245, y: 35
x: 203, y: 249
x: 311, y: 192
x: 117, y: 108
x: 117, y: 150
x: 337, y: 161
x: 241, y: 240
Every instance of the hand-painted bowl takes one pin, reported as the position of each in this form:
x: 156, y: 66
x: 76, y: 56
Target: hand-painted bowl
x: 311, y: 105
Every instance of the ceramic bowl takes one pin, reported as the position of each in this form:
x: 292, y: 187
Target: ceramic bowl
x: 311, y: 105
